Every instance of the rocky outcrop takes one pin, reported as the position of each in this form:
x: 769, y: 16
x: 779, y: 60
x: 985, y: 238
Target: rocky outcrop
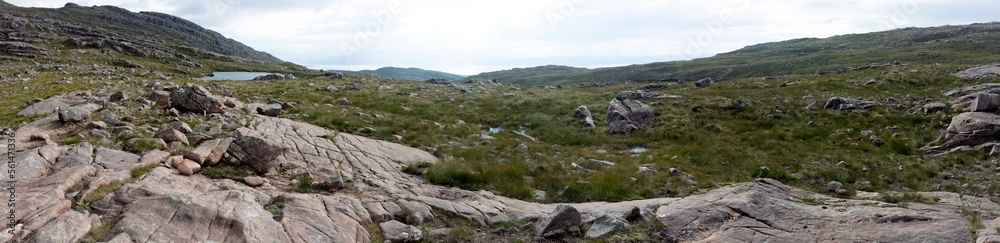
x: 626, y: 116
x: 991, y: 70
x: 605, y: 225
x: 194, y: 98
x: 768, y: 211
x: 971, y: 130
x: 565, y: 220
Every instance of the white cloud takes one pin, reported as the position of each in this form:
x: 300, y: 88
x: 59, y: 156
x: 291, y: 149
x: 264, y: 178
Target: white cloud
x: 468, y: 37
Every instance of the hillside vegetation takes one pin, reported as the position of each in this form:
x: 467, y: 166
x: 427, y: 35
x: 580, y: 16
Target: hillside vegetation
x: 966, y: 44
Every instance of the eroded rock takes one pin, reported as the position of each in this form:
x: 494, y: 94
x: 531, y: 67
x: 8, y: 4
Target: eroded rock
x: 626, y: 116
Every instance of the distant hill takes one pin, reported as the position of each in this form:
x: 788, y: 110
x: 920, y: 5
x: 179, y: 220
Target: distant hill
x: 966, y: 45
x: 409, y: 73
x: 173, y: 41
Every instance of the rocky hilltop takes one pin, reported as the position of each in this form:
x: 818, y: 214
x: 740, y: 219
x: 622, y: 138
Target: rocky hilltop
x: 42, y: 34
x: 110, y: 140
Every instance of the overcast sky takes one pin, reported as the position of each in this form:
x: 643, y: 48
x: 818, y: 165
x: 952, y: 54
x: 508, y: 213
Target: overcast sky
x: 468, y: 37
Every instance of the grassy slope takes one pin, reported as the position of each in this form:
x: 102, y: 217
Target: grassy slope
x: 968, y: 44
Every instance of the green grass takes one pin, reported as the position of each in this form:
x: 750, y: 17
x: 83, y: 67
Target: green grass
x: 304, y: 185
x: 235, y: 173
x: 142, y: 170
x: 99, y: 233
x: 908, y: 197
x: 375, y: 232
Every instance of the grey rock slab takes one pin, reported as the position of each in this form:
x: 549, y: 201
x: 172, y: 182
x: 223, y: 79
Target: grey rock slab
x: 68, y: 227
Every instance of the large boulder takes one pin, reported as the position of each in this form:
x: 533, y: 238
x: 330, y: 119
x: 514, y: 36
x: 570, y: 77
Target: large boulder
x: 985, y: 102
x: 970, y: 129
x: 251, y: 148
x: 194, y: 98
x: 626, y: 116
x: 564, y: 220
x: 270, y: 110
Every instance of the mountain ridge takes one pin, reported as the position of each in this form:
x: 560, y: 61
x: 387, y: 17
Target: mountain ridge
x: 972, y: 44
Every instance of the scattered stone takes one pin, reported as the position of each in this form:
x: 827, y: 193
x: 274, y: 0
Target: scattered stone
x: 626, y: 116
x: 877, y: 141
x: 173, y: 112
x: 183, y: 127
x: 396, y: 232
x: 342, y: 101
x: 187, y: 167
x: 95, y: 125
x: 272, y: 110
x: 607, y: 224
x: 564, y: 220
x: 172, y: 135
x: 522, y: 147
x: 538, y: 195
x: 73, y: 114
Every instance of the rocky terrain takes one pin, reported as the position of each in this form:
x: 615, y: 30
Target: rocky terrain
x: 360, y: 181
x: 111, y: 139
